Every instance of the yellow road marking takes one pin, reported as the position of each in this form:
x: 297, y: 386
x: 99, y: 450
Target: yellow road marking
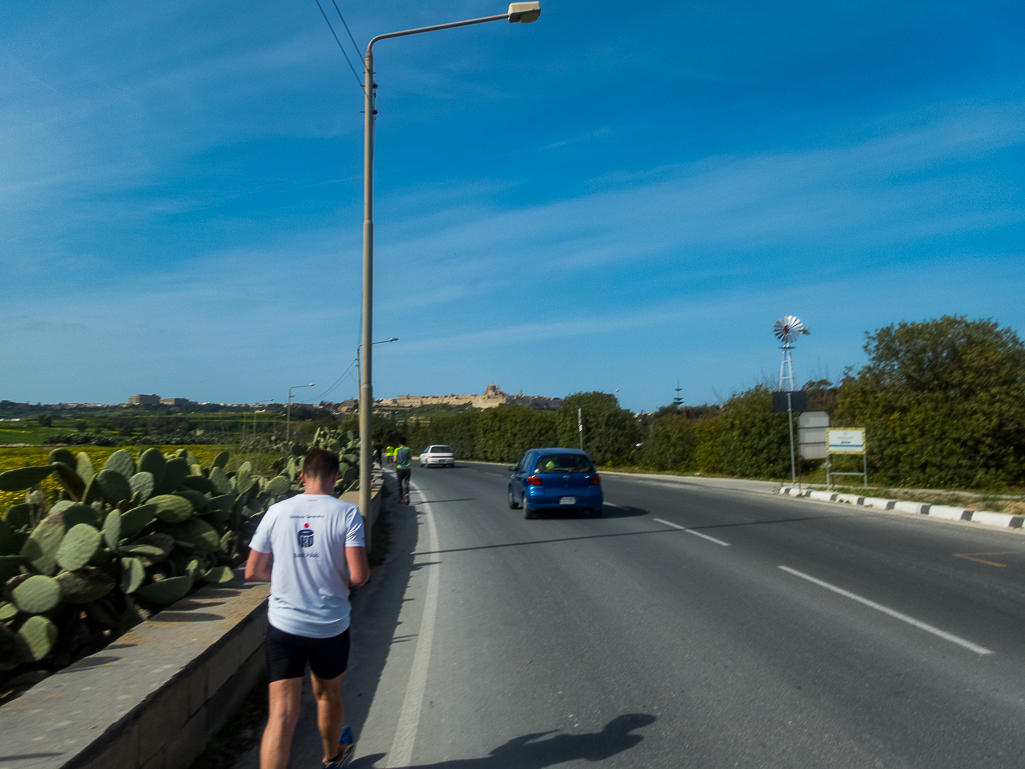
x: 971, y: 557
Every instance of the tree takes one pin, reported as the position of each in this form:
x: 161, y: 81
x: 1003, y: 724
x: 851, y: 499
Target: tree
x: 752, y: 441
x: 671, y: 441
x: 610, y: 432
x: 943, y: 402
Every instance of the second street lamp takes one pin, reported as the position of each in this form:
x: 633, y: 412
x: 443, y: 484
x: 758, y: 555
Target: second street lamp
x: 359, y: 381
x: 523, y: 13
x: 288, y: 410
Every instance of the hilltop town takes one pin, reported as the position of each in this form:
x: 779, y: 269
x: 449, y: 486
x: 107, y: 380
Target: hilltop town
x: 492, y: 397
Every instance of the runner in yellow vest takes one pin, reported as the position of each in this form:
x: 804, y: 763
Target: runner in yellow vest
x: 389, y: 454
x: 403, y: 469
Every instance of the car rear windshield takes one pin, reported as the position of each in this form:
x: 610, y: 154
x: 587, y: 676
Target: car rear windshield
x: 440, y: 450
x: 563, y: 463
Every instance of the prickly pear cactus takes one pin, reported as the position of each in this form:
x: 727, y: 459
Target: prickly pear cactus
x: 119, y: 543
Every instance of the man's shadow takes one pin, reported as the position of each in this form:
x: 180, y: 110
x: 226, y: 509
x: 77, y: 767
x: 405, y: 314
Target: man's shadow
x: 533, y: 751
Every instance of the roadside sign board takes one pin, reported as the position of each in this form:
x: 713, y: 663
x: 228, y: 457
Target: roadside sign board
x: 789, y: 401
x: 811, y: 431
x: 845, y: 441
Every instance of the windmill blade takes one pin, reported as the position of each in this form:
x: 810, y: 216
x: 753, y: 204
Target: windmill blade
x: 788, y: 329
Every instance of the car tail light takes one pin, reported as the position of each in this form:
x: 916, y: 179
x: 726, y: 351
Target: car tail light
x: 533, y: 480
x: 596, y: 480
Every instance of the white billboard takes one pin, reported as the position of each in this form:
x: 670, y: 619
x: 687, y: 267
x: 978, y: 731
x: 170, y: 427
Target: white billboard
x: 850, y: 440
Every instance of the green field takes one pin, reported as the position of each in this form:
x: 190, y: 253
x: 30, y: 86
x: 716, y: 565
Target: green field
x: 32, y: 456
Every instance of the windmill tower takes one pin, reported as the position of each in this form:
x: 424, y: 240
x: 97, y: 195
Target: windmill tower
x: 787, y: 330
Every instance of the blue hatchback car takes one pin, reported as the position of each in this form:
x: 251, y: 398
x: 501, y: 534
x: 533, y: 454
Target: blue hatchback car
x: 550, y: 479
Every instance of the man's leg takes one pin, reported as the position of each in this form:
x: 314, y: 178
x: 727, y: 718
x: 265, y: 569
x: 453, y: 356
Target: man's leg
x: 284, y: 697
x: 330, y: 712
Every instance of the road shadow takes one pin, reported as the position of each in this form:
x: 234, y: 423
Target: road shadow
x: 376, y: 607
x: 608, y: 511
x: 544, y: 749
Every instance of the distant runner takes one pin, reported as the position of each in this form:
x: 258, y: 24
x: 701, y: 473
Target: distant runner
x: 404, y: 469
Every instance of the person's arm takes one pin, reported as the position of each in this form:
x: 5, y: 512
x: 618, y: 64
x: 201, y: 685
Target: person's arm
x: 259, y: 566
x: 359, y: 568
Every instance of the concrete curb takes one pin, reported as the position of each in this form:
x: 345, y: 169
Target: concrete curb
x: 152, y: 699
x: 1003, y: 520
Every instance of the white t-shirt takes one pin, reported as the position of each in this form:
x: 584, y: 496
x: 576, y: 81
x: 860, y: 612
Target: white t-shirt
x: 309, y: 589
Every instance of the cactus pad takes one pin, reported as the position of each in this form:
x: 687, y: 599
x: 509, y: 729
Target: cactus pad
x: 77, y: 513
x: 277, y: 486
x: 37, y: 594
x: 24, y: 478
x: 84, y: 466
x: 37, y: 636
x: 199, y: 501
x: 221, y: 460
x: 152, y: 461
x: 199, y: 483
x: 18, y: 516
x: 85, y: 585
x: 10, y: 566
x: 137, y: 519
x: 112, y: 530
x: 62, y: 455
x: 175, y: 471
x: 40, y: 550
x: 113, y: 485
x: 132, y: 574
x: 142, y: 483
x: 167, y: 591
x: 78, y: 546
x: 198, y: 533
x: 120, y: 462
x: 219, y: 480
x: 172, y: 508
x: 218, y: 575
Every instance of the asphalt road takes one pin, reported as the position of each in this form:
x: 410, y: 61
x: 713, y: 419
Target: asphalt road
x: 696, y: 624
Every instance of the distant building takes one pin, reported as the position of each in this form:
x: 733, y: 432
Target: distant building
x: 144, y: 400
x: 176, y: 402
x: 492, y: 397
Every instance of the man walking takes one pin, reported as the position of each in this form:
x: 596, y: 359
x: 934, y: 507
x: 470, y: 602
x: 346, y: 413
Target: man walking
x: 310, y: 548
x: 403, y: 471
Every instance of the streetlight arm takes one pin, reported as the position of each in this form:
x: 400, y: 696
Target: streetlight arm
x: 435, y: 27
x: 524, y: 13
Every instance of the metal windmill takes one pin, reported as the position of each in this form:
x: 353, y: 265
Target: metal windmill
x: 787, y: 330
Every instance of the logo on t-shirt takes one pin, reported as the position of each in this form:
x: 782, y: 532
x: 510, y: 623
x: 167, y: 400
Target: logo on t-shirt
x: 305, y: 536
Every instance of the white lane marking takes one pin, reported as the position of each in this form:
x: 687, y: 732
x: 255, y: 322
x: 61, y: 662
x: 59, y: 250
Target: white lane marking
x: 895, y: 614
x: 401, y: 753
x: 695, y: 533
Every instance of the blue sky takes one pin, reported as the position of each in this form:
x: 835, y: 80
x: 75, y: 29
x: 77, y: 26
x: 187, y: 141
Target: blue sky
x: 604, y: 199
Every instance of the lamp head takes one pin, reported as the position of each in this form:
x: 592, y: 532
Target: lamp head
x: 524, y: 13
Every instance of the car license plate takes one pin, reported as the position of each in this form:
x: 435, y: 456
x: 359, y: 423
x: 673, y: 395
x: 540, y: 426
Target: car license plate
x: 567, y: 500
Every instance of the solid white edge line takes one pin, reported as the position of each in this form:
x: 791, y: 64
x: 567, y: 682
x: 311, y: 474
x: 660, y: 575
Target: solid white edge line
x: 691, y: 531
x: 401, y: 753
x: 981, y: 650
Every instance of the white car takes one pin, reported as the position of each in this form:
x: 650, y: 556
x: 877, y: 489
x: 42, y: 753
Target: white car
x: 437, y: 456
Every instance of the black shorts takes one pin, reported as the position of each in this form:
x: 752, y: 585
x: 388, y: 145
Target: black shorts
x: 288, y: 654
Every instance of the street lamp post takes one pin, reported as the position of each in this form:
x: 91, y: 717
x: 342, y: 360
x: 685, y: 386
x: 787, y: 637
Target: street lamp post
x: 380, y: 341
x: 288, y: 410
x: 523, y: 13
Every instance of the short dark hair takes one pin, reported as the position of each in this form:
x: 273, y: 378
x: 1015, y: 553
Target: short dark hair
x: 320, y: 463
